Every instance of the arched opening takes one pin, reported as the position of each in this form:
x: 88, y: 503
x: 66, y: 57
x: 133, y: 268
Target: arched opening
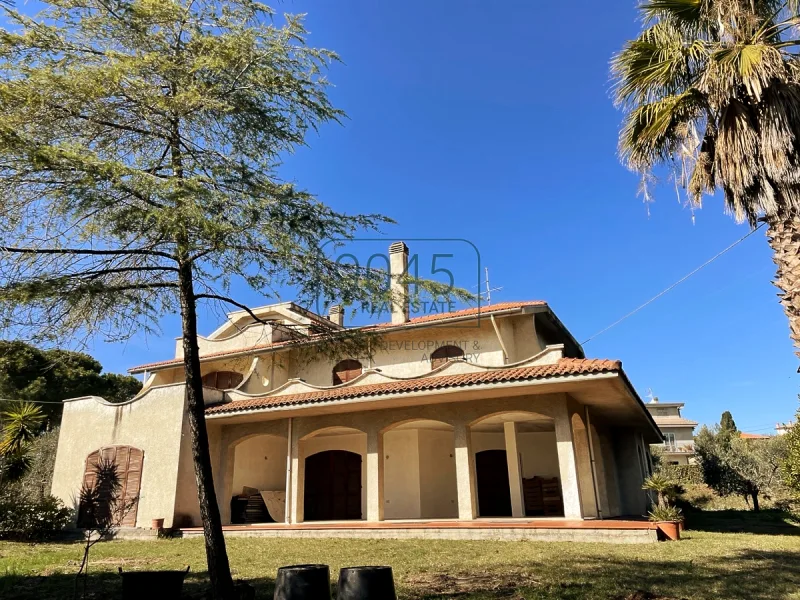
x: 346, y: 370
x: 222, y: 380
x: 258, y: 485
x: 419, y: 479
x: 516, y: 465
x: 333, y: 474
x: 333, y: 486
x: 111, y: 480
x: 444, y: 354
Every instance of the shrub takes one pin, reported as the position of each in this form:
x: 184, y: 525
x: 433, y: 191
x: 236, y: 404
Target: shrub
x: 666, y: 513
x: 684, y: 474
x: 25, y: 519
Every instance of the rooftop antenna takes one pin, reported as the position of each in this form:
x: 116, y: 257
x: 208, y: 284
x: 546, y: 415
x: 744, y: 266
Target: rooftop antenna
x: 649, y: 395
x: 489, y: 289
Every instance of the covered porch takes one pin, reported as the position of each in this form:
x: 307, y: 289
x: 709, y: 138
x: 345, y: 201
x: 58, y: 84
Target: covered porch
x: 500, y: 456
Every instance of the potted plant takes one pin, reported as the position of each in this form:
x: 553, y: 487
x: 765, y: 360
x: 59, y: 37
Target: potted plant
x: 668, y: 519
x: 663, y: 512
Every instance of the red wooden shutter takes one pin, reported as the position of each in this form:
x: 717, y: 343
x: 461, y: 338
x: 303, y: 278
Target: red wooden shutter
x: 444, y: 354
x: 346, y: 370
x: 222, y: 380
x: 128, y: 462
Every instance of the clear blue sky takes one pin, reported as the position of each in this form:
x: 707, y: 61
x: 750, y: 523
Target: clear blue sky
x: 493, y: 122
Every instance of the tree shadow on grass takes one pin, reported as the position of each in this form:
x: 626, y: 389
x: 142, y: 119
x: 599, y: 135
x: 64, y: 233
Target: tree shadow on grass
x: 764, y: 522
x: 107, y: 585
x: 748, y: 574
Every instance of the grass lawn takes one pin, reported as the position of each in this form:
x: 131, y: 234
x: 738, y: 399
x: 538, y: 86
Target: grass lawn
x: 727, y: 555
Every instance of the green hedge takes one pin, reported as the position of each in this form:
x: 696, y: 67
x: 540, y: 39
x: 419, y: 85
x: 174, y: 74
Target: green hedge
x: 684, y: 474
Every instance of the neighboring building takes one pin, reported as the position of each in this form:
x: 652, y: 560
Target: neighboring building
x: 783, y: 428
x: 490, y: 412
x: 753, y: 436
x: 678, y: 432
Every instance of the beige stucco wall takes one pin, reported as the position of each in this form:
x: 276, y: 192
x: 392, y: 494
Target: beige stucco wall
x: 402, y: 474
x: 153, y: 423
x: 437, y: 473
x: 260, y: 463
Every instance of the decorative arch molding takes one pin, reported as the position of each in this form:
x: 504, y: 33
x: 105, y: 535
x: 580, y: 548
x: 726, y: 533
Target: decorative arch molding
x: 319, y: 430
x: 549, y: 355
x: 531, y: 413
x: 400, y: 423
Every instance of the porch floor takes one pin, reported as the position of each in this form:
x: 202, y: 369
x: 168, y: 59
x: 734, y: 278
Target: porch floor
x: 624, y: 530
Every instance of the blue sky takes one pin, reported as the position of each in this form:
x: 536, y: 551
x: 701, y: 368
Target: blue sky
x: 493, y: 122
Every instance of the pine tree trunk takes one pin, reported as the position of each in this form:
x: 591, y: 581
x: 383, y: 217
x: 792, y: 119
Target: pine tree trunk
x: 216, y: 555
x: 784, y: 238
x: 756, y: 507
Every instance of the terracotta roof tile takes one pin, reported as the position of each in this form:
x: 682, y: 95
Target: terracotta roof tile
x: 467, y: 312
x: 565, y: 366
x: 753, y: 436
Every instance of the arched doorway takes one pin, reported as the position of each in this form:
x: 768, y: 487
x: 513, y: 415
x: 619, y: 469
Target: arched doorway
x: 111, y: 481
x: 332, y: 486
x: 494, y: 492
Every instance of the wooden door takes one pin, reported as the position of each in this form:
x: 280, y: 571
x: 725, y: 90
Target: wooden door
x: 494, y: 493
x: 127, y: 464
x: 333, y: 486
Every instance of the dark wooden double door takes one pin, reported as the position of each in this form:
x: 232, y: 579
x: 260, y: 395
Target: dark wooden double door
x: 332, y: 486
x: 494, y: 492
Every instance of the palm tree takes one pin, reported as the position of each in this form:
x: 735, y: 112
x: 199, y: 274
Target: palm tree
x: 22, y: 422
x: 711, y: 88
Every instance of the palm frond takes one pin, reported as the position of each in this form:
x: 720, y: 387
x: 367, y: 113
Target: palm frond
x: 686, y: 12
x: 652, y: 132
x: 21, y: 423
x: 658, y: 63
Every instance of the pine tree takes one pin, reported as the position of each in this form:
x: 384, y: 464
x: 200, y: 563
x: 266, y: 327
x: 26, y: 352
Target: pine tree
x: 139, y: 147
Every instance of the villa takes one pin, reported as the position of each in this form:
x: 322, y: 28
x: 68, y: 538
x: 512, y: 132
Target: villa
x: 468, y: 423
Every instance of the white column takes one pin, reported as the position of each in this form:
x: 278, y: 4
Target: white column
x: 288, y: 495
x: 374, y: 476
x: 514, y: 470
x: 465, y: 473
x: 297, y: 481
x: 566, y: 464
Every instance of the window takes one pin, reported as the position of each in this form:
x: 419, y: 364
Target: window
x: 115, y: 473
x: 346, y: 370
x: 445, y: 354
x: 222, y: 380
x: 669, y: 438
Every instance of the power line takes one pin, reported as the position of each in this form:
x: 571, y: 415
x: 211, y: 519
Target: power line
x: 31, y: 401
x: 674, y: 285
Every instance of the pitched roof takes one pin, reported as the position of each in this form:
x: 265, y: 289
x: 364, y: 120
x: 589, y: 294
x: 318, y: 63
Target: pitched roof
x: 467, y: 312
x: 753, y: 436
x: 432, y: 318
x: 564, y: 367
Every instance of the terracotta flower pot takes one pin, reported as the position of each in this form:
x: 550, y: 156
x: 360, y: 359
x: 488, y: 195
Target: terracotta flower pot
x: 670, y: 530
x: 157, y: 524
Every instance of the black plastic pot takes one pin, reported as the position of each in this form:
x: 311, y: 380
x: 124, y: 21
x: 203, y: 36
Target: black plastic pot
x: 366, y: 583
x: 303, y: 582
x: 152, y: 584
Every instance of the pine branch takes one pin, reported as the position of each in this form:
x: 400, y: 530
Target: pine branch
x: 86, y: 251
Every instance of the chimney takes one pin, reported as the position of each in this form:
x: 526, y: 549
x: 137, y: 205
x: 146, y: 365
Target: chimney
x: 336, y: 315
x: 398, y: 268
